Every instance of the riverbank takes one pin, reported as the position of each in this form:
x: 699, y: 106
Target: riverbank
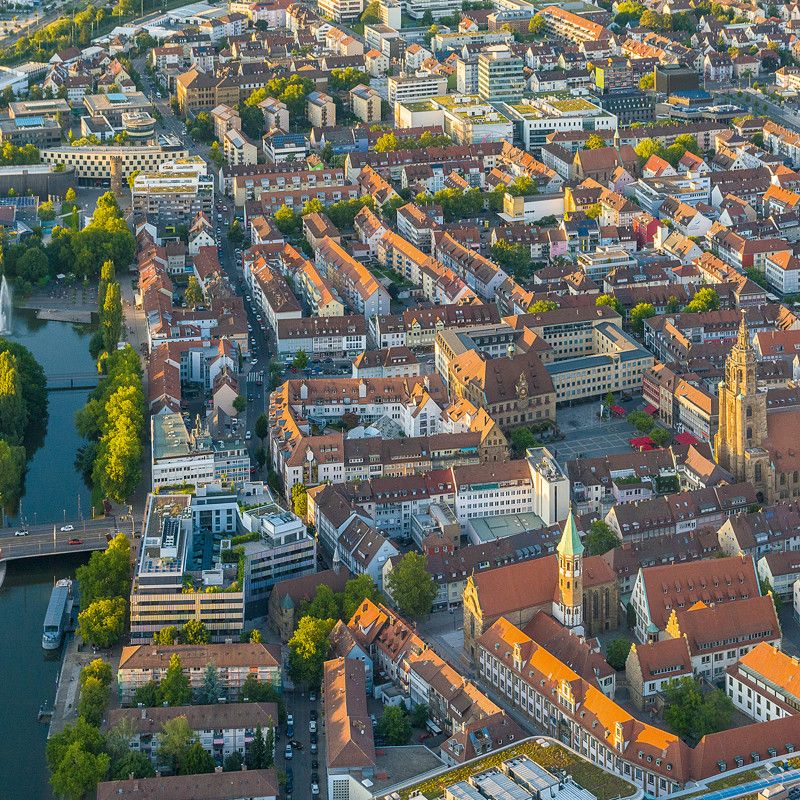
x: 59, y: 315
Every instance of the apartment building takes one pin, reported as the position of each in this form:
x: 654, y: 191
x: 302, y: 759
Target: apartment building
x: 251, y: 784
x: 564, y: 24
x: 322, y: 337
x: 140, y: 664
x: 405, y: 88
x: 765, y: 684
x: 198, y: 90
x: 352, y: 280
x: 320, y: 110
x: 238, y: 149
x: 340, y: 10
x: 317, y: 291
x: 366, y: 104
x: 221, y: 729
x: 271, y: 180
x: 179, y: 191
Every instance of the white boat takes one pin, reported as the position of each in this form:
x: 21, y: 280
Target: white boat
x: 59, y: 610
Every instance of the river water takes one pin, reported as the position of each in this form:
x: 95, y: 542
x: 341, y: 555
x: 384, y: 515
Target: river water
x: 53, y: 489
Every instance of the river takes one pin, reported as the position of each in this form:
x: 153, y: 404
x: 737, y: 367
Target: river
x: 53, y: 489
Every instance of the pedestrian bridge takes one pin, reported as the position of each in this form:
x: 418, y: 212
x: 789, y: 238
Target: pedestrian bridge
x: 72, y: 381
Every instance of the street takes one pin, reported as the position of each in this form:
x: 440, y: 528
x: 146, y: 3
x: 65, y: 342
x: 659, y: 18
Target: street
x: 301, y: 765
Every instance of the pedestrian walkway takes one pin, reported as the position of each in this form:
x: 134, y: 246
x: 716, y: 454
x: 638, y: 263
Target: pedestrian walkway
x: 255, y: 377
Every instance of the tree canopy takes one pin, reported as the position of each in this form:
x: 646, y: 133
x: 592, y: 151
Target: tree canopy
x: 308, y: 650
x: 411, y: 586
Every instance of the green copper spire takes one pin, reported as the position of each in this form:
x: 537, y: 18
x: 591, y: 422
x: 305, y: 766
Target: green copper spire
x: 570, y: 544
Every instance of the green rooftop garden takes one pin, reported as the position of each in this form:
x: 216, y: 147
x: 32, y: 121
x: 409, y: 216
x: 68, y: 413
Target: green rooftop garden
x: 553, y: 757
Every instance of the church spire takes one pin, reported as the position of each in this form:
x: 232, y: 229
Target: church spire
x: 570, y: 543
x: 744, y: 335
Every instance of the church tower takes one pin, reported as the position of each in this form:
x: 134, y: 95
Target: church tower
x: 742, y: 416
x: 569, y: 609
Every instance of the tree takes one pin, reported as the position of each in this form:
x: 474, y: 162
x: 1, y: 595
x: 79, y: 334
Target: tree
x: 13, y: 415
x: 692, y: 715
x: 300, y: 500
x: 99, y: 670
x: 537, y: 25
x: 324, y: 605
x: 233, y: 762
x: 235, y: 232
x: 660, y: 436
x: 255, y: 691
x: 257, y: 755
x: 70, y: 196
x: 78, y: 772
x: 600, y: 539
x: 394, y: 726
x: 12, y: 470
x: 411, y: 586
x: 594, y: 211
x: 617, y: 653
x: 133, y: 763
x: 419, y: 715
x: 706, y: 299
x: 148, y: 695
x: 639, y: 313
x: 647, y: 148
x: 212, y: 688
x: 286, y: 220
x: 195, y: 632
x: 262, y: 427
x: 766, y: 588
x: 46, y: 211
x: 594, y: 142
x: 344, y: 79
x: 300, y: 360
x: 521, y: 439
x: 647, y: 83
x: 175, y: 689
x: 356, y: 591
x: 523, y: 186
x: 610, y: 301
x: 102, y: 623
x: 308, y: 649
x: 215, y: 154
x: 107, y: 575
x: 174, y: 740
x: 167, y: 635
x: 255, y: 636
x: 673, y: 304
x: 111, y: 316
x: 240, y: 403
x: 194, y: 292
x: 196, y: 760
x: 92, y: 700
x: 541, y: 306
x: 372, y: 13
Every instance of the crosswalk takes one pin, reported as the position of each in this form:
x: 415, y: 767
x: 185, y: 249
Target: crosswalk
x: 255, y: 377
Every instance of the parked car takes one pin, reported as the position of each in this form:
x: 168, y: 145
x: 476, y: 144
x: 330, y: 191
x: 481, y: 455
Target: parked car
x: 313, y: 748
x: 65, y: 528
x: 297, y: 745
x: 21, y: 533
x: 313, y: 713
x: 312, y: 698
x: 312, y: 726
x: 289, y: 779
x: 315, y: 789
x: 288, y: 754
x: 314, y: 764
x: 290, y: 725
x: 75, y: 541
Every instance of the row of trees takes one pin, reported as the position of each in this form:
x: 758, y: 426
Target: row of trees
x: 672, y: 154
x: 23, y: 417
x: 113, y: 423
x: 390, y: 141
x: 105, y: 583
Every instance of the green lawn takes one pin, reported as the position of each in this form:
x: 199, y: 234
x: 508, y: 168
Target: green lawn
x: 601, y: 783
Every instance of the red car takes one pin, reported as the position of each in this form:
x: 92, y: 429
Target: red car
x: 75, y: 541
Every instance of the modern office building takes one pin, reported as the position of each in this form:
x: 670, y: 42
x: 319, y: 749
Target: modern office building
x: 500, y: 75
x: 177, y: 192
x: 340, y: 10
x: 178, y: 577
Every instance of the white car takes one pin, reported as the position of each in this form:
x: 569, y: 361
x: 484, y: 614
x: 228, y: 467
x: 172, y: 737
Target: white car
x: 254, y: 361
x: 315, y: 789
x: 66, y: 528
x: 312, y: 726
x: 21, y: 533
x: 248, y: 436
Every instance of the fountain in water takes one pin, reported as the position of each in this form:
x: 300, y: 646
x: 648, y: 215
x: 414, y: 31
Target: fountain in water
x: 5, y: 306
